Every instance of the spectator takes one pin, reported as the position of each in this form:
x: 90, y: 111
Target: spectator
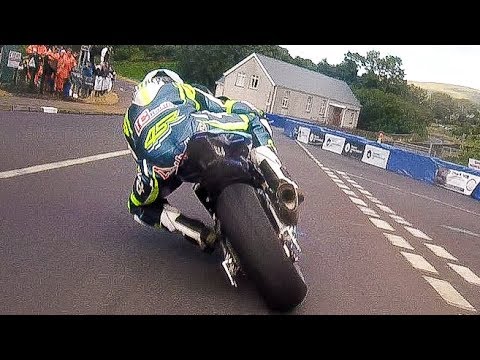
x: 62, y: 71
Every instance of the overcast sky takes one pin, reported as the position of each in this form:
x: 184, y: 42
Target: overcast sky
x: 451, y: 64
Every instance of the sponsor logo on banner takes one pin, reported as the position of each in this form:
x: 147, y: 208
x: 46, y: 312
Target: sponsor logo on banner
x: 458, y: 181
x: 303, y: 134
x: 474, y: 163
x: 376, y: 156
x: 333, y: 143
x: 316, y: 138
x: 353, y: 149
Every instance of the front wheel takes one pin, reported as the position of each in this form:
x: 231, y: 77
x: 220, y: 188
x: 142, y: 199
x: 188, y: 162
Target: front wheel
x: 247, y: 227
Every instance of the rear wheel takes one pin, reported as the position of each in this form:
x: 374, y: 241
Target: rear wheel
x: 258, y: 247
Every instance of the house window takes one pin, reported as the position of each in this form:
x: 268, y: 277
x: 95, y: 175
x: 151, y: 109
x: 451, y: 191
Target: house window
x: 352, y: 117
x: 285, y: 99
x: 323, y: 105
x: 309, y: 104
x: 254, y: 82
x: 240, y: 79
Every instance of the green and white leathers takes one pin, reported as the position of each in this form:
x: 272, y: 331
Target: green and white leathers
x: 165, y: 113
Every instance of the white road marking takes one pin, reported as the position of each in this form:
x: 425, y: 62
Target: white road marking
x: 341, y: 172
x: 374, y: 200
x: 349, y: 192
x: 440, y: 251
x: 358, y: 201
x: 352, y: 181
x: 385, y: 208
x: 381, y: 224
x: 400, y: 220
x: 338, y: 181
x: 463, y: 231
x: 398, y: 241
x: 448, y: 293
x: 326, y: 168
x: 357, y: 186
x: 60, y: 164
x: 417, y: 233
x: 466, y: 273
x: 342, y: 186
x: 397, y: 189
x: 419, y: 262
x: 365, y: 192
x: 368, y: 211
x: 330, y: 173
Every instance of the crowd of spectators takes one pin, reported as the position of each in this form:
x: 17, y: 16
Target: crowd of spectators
x: 48, y: 69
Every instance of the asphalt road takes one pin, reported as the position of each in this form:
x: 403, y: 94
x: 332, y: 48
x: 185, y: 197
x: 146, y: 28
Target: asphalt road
x: 69, y: 245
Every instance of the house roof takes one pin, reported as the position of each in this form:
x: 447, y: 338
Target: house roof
x: 221, y: 80
x: 301, y: 79
x: 312, y: 82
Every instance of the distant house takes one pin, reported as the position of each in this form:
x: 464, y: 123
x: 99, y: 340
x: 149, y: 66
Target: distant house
x: 281, y: 88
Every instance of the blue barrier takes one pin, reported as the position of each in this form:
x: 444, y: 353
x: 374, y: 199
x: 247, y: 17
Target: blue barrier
x: 404, y: 162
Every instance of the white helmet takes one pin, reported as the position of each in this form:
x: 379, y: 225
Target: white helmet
x: 148, y: 88
x: 162, y: 75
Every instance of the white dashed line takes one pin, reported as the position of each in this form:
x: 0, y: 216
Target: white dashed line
x: 326, y: 169
x: 417, y: 233
x: 463, y: 231
x: 342, y: 186
x: 357, y: 186
x: 381, y: 224
x: 358, y: 201
x: 400, y: 220
x: 398, y: 241
x: 419, y: 262
x: 441, y: 252
x: 60, y: 164
x: 448, y: 293
x: 341, y: 172
x: 385, y: 208
x: 368, y: 211
x: 330, y: 173
x: 349, y: 192
x: 352, y: 181
x: 466, y: 273
x: 374, y: 200
x: 338, y: 181
x: 365, y: 192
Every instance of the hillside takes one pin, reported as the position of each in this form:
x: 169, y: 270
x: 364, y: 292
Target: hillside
x: 455, y: 91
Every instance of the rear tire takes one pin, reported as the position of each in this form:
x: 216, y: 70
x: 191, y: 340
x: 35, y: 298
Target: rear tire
x: 258, y: 247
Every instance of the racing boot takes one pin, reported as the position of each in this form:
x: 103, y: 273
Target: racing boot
x: 287, y: 192
x: 166, y: 217
x: 193, y: 230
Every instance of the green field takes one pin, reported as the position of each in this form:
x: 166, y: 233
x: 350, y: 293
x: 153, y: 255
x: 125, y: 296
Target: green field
x: 136, y: 70
x: 455, y: 91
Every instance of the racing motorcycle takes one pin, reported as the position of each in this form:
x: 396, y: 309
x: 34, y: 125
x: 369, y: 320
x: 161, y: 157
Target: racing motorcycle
x: 256, y: 231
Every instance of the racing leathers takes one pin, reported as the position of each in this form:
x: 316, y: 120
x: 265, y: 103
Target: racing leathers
x: 158, y: 125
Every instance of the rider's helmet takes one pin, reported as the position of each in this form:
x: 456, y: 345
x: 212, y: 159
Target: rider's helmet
x: 151, y: 84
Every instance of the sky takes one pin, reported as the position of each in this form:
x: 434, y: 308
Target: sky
x: 450, y: 64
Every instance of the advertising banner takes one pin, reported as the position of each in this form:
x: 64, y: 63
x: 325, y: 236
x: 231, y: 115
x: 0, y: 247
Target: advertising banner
x: 303, y: 134
x: 458, y: 181
x: 353, y: 149
x: 474, y: 163
x: 14, y: 59
x: 333, y: 143
x: 375, y: 156
x: 316, y: 137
